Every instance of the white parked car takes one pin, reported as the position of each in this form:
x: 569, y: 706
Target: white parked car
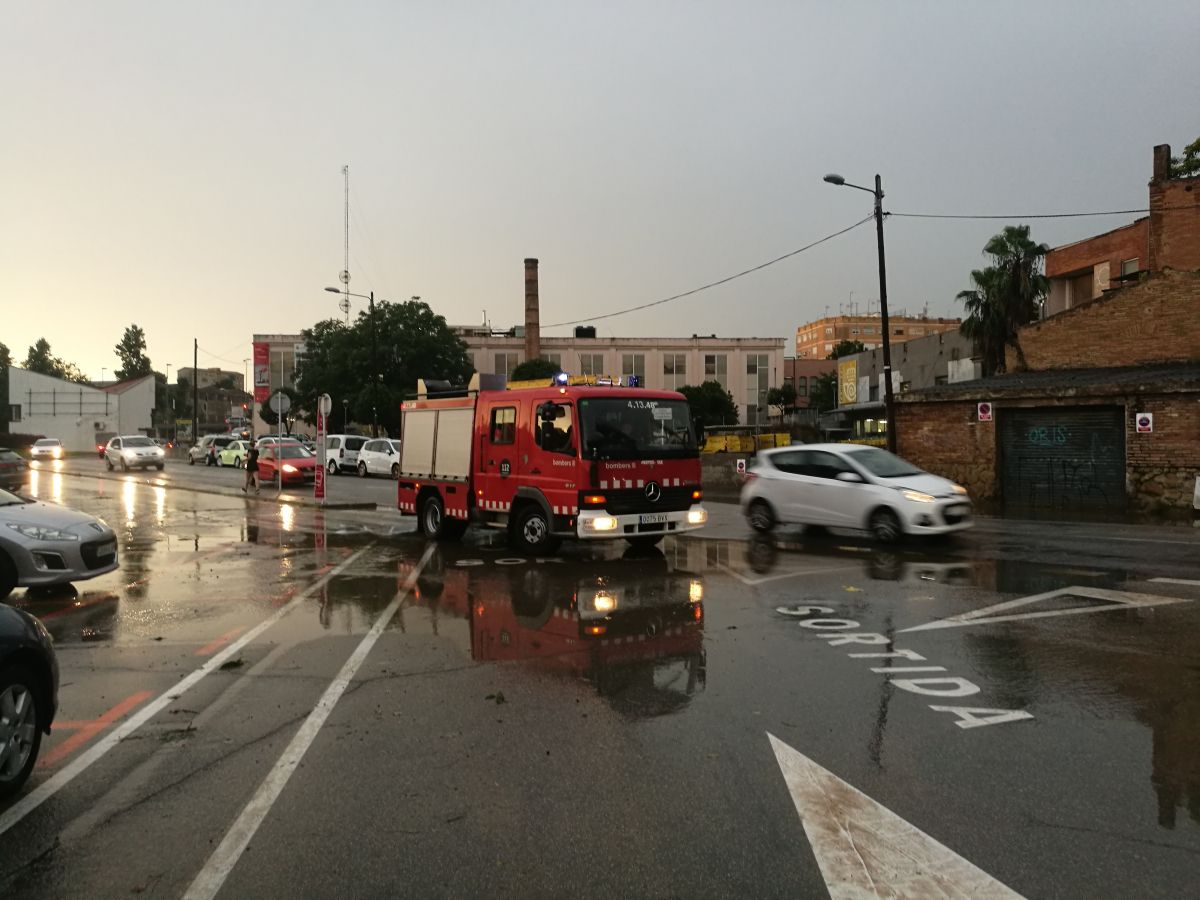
x: 47, y: 448
x: 851, y: 486
x: 42, y: 544
x: 379, y: 457
x: 134, y: 451
x: 341, y: 452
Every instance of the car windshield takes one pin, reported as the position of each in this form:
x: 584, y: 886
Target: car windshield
x: 9, y: 455
x: 8, y: 498
x: 46, y: 442
x: 138, y: 442
x: 293, y: 451
x: 633, y: 428
x: 882, y: 464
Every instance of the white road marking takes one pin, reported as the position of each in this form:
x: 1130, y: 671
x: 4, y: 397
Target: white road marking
x: 1118, y: 600
x: 68, y: 773
x: 210, y: 879
x: 1186, y: 581
x: 756, y: 581
x: 866, y: 850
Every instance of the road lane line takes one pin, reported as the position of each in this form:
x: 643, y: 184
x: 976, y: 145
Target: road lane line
x: 68, y: 773
x: 86, y: 730
x: 753, y: 582
x: 216, y: 645
x: 210, y: 879
x: 1187, y: 581
x: 865, y: 850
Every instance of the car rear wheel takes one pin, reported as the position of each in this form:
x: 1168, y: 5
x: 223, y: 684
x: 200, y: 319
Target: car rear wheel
x: 160, y: 466
x: 395, y: 471
x: 237, y: 463
x: 124, y: 466
x: 108, y: 462
x: 20, y: 736
x: 761, y: 516
x: 885, y: 525
x: 191, y: 460
x: 332, y: 467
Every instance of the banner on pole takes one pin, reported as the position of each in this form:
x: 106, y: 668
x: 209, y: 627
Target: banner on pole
x: 262, y: 371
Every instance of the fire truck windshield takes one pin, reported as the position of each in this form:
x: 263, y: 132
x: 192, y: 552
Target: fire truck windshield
x: 636, y: 428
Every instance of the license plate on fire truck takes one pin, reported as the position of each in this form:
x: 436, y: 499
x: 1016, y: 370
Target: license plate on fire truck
x: 653, y: 519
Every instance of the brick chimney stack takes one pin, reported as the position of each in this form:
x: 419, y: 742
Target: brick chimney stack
x: 533, y: 339
x: 1162, y: 162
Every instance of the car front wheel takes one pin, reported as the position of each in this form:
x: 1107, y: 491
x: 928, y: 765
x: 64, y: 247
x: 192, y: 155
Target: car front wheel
x: 761, y: 516
x: 395, y: 471
x: 332, y: 467
x: 20, y: 736
x: 885, y: 526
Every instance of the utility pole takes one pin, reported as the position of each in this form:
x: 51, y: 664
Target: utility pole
x: 375, y: 367
x: 195, y: 391
x: 889, y: 401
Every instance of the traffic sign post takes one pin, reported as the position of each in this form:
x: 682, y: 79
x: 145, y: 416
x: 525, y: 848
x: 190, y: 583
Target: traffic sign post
x: 324, y: 405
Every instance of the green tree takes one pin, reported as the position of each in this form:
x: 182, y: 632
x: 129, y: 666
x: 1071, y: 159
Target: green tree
x: 1006, y: 295
x: 822, y: 392
x: 711, y: 404
x: 5, y: 362
x: 782, y: 398
x: 1187, y: 165
x: 847, y: 348
x: 375, y: 362
x: 132, y: 352
x: 39, y: 359
x: 534, y: 368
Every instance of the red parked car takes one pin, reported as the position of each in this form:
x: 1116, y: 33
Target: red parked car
x: 299, y: 465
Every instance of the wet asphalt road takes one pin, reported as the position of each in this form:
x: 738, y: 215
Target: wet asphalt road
x: 489, y: 744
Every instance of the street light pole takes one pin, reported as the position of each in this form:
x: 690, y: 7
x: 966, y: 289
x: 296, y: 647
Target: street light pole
x: 889, y: 400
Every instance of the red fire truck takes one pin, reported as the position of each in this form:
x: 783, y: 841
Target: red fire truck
x: 584, y: 457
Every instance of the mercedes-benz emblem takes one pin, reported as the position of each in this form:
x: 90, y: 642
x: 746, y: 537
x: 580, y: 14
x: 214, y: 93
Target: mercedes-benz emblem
x: 653, y: 491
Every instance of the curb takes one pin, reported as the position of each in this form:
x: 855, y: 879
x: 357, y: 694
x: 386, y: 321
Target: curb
x: 257, y: 498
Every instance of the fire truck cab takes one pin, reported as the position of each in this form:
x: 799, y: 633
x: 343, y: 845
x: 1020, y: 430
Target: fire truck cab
x: 584, y: 457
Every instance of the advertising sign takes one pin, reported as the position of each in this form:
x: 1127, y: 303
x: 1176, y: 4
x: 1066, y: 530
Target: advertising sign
x: 262, y: 371
x: 1144, y: 423
x: 847, y: 382
x: 985, y: 412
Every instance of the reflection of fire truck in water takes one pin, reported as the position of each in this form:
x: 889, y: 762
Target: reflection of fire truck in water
x: 564, y: 457
x: 632, y: 628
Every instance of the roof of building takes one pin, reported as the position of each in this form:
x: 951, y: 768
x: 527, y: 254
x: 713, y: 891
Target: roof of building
x: 1126, y: 379
x: 120, y: 387
x: 1093, y: 237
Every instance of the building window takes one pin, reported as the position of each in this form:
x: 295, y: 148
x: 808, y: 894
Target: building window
x: 897, y: 331
x: 1129, y: 267
x: 854, y: 331
x: 716, y: 368
x: 504, y: 425
x: 758, y: 375
x: 14, y: 412
x: 591, y: 363
x: 554, y: 358
x: 828, y: 348
x: 801, y: 386
x: 505, y: 363
x: 634, y: 364
x: 674, y: 370
x: 829, y: 330
x: 941, y: 379
x: 869, y: 329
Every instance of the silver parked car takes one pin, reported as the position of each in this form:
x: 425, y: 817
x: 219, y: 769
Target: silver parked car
x: 134, y: 451
x: 42, y: 544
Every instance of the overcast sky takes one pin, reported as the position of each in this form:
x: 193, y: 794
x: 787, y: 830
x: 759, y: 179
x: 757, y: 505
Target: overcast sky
x: 179, y: 165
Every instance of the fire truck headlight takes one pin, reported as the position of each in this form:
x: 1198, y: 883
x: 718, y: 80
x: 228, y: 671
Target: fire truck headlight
x: 697, y: 516
x: 604, y: 602
x: 604, y: 523
x: 696, y: 591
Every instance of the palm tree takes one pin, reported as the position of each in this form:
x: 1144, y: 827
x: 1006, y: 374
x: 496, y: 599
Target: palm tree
x: 1007, y: 295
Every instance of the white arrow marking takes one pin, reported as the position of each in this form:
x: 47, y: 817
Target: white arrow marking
x: 866, y: 850
x: 1117, y: 600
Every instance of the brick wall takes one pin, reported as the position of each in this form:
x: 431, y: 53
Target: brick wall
x: 1175, y: 224
x: 1161, y: 467
x: 1157, y: 320
x: 1113, y: 247
x: 945, y: 439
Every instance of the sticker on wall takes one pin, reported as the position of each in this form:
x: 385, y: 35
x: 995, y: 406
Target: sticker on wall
x: 985, y: 412
x: 1144, y: 422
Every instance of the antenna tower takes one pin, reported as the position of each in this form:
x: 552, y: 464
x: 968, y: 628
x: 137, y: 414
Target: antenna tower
x: 344, y: 277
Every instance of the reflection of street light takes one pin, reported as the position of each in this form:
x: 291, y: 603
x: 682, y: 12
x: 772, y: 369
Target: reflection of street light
x: 888, y: 398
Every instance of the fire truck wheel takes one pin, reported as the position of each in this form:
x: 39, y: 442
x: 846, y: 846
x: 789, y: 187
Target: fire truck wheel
x: 531, y: 532
x: 433, y: 517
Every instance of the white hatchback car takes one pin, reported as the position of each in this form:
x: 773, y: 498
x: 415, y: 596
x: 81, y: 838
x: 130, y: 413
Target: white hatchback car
x: 341, y: 452
x: 134, y: 451
x: 47, y: 448
x: 379, y: 457
x: 851, y: 486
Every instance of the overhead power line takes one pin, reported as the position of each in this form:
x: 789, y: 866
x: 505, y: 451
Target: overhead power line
x: 1071, y: 215
x: 712, y: 284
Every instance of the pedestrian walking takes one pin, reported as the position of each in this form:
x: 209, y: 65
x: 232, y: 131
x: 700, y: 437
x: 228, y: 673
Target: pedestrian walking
x: 251, y: 469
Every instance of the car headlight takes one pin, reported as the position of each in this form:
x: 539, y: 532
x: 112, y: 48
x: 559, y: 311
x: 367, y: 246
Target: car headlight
x: 290, y: 468
x: 918, y: 496
x: 959, y: 489
x: 42, y: 533
x: 697, y: 516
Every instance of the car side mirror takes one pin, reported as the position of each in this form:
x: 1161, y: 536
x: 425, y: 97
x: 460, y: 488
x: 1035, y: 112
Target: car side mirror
x: 851, y: 477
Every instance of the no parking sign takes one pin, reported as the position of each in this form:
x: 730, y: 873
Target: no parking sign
x: 1144, y: 422
x: 741, y: 467
x: 985, y: 411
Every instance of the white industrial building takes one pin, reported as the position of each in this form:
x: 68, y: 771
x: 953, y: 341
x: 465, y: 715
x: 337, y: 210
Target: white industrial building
x: 78, y: 414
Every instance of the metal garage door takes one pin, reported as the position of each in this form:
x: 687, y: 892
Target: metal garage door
x: 1066, y: 458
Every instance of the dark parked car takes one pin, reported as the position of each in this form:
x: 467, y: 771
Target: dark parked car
x: 14, y: 471
x: 28, y: 694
